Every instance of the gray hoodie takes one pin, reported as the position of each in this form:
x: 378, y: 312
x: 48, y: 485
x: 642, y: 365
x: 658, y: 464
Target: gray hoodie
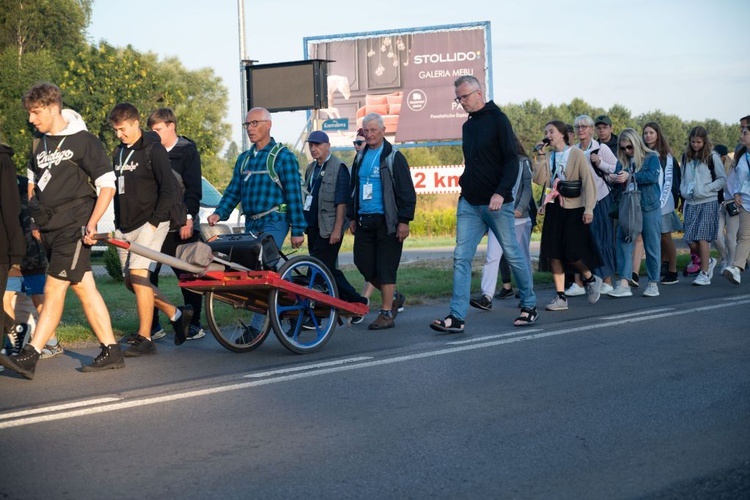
x: 696, y: 186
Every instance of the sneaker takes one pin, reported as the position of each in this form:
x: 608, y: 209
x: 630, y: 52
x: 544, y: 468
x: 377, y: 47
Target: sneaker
x: 398, y: 304
x: 24, y: 363
x: 702, y: 279
x: 401, y: 304
x: 359, y: 319
x: 575, y: 290
x: 111, y: 358
x: 482, y: 302
x: 593, y: 290
x: 633, y: 281
x: 195, y: 333
x: 711, y: 267
x: 605, y: 288
x: 141, y: 346
x: 503, y: 293
x: 670, y: 278
x: 50, y: 351
x: 16, y: 337
x: 181, y: 325
x: 382, y: 322
x: 664, y: 268
x: 652, y: 290
x: 732, y: 273
x: 621, y: 291
x: 557, y: 304
x: 157, y: 332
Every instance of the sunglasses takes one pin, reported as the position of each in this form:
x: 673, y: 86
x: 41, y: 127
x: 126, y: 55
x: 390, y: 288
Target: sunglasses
x: 626, y: 148
x: 358, y: 143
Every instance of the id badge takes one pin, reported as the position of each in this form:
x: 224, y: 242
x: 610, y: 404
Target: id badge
x: 121, y: 185
x: 367, y: 191
x: 46, y: 176
x: 308, y: 203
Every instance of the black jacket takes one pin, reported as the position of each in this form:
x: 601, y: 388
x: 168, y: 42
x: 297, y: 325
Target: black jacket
x: 12, y: 244
x: 186, y: 161
x: 146, y: 187
x: 490, y: 157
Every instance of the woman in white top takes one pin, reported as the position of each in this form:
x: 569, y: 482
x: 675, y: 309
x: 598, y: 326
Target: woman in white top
x: 741, y: 196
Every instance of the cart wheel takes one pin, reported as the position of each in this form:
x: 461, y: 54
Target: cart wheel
x: 303, y: 325
x: 230, y: 321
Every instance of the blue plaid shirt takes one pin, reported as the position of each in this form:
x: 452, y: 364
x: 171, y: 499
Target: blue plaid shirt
x: 259, y: 193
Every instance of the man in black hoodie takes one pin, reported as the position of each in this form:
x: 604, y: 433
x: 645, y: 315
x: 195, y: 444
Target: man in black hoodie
x: 486, y: 202
x: 186, y: 166
x: 146, y: 192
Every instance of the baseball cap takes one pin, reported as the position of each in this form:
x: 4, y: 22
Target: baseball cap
x: 603, y: 119
x: 318, y: 137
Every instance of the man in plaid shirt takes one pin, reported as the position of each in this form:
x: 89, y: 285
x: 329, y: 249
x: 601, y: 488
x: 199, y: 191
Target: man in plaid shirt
x: 271, y: 203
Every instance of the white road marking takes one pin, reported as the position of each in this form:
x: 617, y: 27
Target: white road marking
x: 307, y: 367
x: 135, y: 403
x: 499, y: 335
x: 60, y: 407
x: 639, y: 313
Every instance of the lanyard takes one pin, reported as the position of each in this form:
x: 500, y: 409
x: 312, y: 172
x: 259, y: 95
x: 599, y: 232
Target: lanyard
x: 553, y: 164
x: 372, y: 164
x: 321, y: 171
x: 122, y: 165
x: 59, y: 144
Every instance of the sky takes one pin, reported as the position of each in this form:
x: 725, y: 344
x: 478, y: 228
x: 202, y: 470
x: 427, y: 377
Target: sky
x: 684, y: 57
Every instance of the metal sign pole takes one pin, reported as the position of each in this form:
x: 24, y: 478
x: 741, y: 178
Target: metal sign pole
x: 243, y: 71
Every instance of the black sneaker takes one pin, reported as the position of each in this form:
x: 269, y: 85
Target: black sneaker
x: 157, y: 332
x: 482, y: 302
x: 633, y: 281
x: 398, y: 304
x: 24, y: 363
x: 141, y: 346
x: 182, y: 324
x: 359, y: 319
x: 504, y: 293
x: 109, y: 359
x: 670, y: 278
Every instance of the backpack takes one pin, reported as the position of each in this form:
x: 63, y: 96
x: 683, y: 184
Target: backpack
x: 270, y: 165
x: 178, y: 212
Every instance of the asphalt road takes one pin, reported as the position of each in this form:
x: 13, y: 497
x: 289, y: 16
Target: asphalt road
x: 628, y: 398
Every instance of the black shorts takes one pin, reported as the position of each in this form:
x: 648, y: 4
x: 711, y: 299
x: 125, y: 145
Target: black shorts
x: 69, y: 258
x: 376, y: 253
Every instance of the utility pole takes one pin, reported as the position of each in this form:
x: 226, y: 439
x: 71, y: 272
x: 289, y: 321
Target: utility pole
x: 243, y: 72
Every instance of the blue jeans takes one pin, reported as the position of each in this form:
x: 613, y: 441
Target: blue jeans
x: 651, y: 244
x: 473, y: 221
x: 278, y: 229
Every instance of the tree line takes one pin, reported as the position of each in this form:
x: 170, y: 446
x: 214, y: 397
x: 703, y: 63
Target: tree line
x: 44, y: 40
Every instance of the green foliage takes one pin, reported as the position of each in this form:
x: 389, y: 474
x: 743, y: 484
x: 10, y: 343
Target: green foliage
x: 112, y: 264
x: 440, y: 222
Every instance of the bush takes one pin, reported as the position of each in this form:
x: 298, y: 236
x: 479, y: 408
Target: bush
x: 112, y: 263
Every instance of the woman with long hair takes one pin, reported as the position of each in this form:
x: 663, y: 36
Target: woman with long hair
x: 669, y: 185
x: 740, y: 191
x: 568, y: 213
x: 638, y: 169
x: 702, y: 178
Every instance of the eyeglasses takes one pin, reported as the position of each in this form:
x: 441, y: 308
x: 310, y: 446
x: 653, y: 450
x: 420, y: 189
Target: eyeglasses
x: 464, y: 97
x: 581, y: 127
x: 358, y: 143
x: 626, y: 148
x: 253, y: 123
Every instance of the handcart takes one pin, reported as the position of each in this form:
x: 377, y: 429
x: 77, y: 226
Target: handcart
x: 247, y: 292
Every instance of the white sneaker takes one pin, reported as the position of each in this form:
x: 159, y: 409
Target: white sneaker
x: 702, y: 279
x: 621, y: 291
x: 575, y: 291
x: 605, y: 288
x: 711, y: 267
x: 652, y: 290
x: 732, y: 273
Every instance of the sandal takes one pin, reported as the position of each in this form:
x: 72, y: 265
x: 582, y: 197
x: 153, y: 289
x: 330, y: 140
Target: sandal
x: 450, y: 324
x: 528, y: 317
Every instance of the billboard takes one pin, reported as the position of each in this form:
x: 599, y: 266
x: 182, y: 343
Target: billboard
x: 404, y: 75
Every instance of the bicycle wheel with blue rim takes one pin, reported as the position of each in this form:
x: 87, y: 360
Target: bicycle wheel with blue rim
x: 302, y: 324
